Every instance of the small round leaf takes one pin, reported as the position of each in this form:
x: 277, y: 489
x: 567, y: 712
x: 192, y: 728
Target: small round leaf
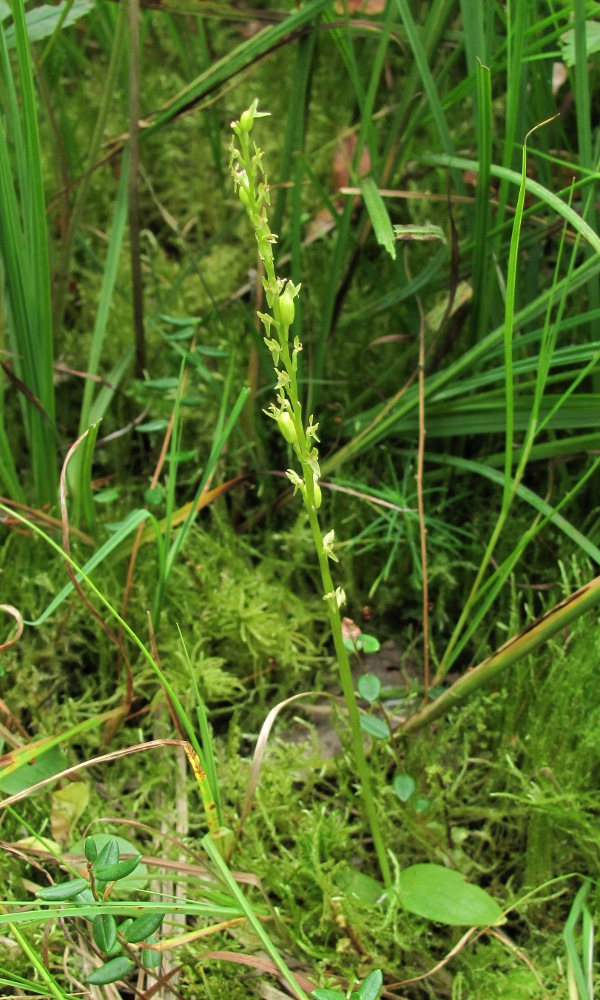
x: 404, y: 786
x: 369, y: 687
x: 368, y: 643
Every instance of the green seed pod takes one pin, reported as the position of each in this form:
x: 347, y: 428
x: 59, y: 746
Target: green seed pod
x: 247, y: 120
x: 286, y: 426
x: 318, y: 497
x: 286, y: 307
x: 244, y: 196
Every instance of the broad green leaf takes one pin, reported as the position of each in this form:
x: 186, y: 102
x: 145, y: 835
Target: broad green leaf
x: 112, y: 971
x: 369, y: 687
x: 592, y: 42
x: 104, y: 929
x: 59, y: 893
x: 404, y: 786
x: 327, y: 995
x: 43, y: 21
x: 51, y: 762
x: 377, y: 728
x: 144, y: 927
x: 360, y: 887
x: 443, y: 895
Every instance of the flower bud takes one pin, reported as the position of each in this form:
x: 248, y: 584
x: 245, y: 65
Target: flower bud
x: 286, y: 426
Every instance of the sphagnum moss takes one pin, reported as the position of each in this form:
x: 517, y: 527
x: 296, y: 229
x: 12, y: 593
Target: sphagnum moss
x: 252, y: 188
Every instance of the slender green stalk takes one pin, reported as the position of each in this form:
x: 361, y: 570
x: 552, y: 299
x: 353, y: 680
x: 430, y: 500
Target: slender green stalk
x: 247, y: 170
x: 52, y: 986
x: 523, y: 644
x: 206, y: 795
x: 213, y: 853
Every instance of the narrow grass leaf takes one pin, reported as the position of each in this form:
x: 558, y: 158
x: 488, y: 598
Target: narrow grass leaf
x: 378, y: 214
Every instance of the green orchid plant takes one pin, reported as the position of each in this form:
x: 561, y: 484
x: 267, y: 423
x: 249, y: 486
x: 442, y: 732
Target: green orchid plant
x: 246, y: 164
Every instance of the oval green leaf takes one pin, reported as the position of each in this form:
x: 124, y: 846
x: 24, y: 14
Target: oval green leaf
x: 152, y: 426
x: 144, y: 927
x: 90, y: 849
x: 377, y: 728
x: 107, y: 496
x: 441, y: 894
x: 66, y: 890
x: 369, y: 687
x: 404, y: 786
x: 151, y: 959
x: 359, y: 886
x: 112, y: 971
x: 109, y: 854
x: 371, y: 986
x: 104, y: 929
x: 112, y: 873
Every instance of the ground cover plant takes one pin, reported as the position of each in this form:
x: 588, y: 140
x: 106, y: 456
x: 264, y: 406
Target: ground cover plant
x: 299, y: 667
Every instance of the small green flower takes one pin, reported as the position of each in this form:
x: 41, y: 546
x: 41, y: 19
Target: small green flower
x: 328, y: 541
